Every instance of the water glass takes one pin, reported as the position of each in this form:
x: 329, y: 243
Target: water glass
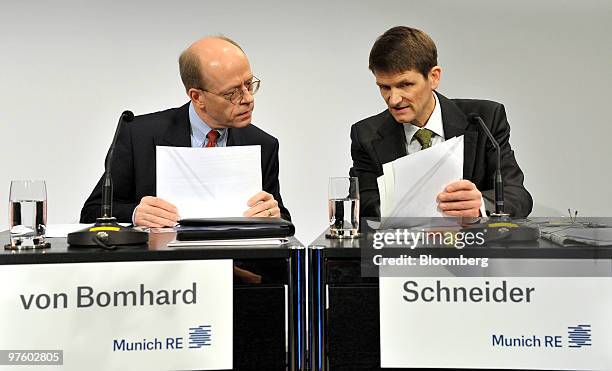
x: 343, y: 207
x: 27, y: 214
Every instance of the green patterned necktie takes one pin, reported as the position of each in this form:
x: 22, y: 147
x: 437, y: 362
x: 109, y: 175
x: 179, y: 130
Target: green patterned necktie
x: 424, y: 137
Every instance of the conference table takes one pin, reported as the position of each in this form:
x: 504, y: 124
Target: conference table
x: 345, y: 305
x: 268, y: 290
x: 275, y: 289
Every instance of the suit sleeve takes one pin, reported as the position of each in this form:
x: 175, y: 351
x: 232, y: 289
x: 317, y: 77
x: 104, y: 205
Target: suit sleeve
x: 270, y: 180
x: 122, y: 172
x: 517, y: 200
x: 366, y: 171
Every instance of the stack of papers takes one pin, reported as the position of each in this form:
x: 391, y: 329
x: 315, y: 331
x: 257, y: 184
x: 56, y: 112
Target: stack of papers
x: 208, y: 182
x: 409, y: 185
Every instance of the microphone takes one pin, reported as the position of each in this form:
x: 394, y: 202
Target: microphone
x: 499, y: 183
x: 107, y: 187
x: 501, y: 229
x: 106, y: 232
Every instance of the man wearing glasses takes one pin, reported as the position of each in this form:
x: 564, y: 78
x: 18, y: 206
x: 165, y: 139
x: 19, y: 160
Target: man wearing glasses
x: 219, y: 82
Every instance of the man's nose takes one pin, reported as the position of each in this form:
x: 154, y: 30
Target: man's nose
x: 247, y: 96
x: 394, y: 98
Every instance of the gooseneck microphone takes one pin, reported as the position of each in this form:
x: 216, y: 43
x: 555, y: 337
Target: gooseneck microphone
x: 499, y: 183
x: 107, y: 187
x: 501, y: 228
x: 106, y: 232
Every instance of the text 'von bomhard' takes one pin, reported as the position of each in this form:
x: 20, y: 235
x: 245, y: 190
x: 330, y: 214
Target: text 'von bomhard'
x: 88, y: 297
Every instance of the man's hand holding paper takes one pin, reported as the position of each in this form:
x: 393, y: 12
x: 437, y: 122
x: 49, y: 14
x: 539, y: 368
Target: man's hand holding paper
x: 263, y: 205
x: 155, y: 212
x: 215, y: 182
x: 460, y: 198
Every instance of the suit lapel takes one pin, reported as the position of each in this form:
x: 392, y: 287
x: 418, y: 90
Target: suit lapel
x: 178, y: 133
x: 391, y: 143
x: 235, y: 137
x: 455, y: 124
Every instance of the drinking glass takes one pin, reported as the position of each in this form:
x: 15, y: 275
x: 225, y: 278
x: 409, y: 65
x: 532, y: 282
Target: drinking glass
x: 27, y: 214
x: 343, y: 207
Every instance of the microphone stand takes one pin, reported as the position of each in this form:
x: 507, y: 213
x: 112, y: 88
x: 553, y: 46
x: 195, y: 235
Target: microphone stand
x: 106, y: 232
x: 500, y: 227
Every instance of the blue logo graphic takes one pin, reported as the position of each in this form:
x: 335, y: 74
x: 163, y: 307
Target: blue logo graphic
x: 200, y: 336
x: 579, y: 336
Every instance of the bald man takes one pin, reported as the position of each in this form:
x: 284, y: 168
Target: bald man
x: 220, y: 85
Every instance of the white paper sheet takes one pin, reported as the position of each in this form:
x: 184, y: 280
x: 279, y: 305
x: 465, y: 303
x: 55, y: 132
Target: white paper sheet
x: 209, y: 182
x: 413, y: 182
x: 62, y: 230
x: 386, y: 189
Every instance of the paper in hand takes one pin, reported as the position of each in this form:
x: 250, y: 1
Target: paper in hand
x: 413, y: 182
x: 208, y: 182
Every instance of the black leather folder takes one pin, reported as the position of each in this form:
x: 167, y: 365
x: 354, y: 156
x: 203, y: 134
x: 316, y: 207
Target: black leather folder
x: 232, y: 228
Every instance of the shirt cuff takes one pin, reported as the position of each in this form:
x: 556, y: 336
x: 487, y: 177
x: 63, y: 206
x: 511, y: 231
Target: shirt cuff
x: 483, y: 209
x: 134, y: 214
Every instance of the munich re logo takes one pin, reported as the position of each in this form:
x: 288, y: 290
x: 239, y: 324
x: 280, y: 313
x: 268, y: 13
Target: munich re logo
x: 200, y: 336
x: 579, y: 336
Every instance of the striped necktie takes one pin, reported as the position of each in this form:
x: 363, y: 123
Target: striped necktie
x: 212, y: 137
x: 424, y: 137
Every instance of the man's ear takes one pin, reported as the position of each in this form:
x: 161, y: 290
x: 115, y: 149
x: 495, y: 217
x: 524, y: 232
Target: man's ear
x: 434, y: 77
x: 197, y: 98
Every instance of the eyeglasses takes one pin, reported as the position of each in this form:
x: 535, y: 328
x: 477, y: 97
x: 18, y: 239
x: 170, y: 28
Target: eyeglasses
x: 235, y: 96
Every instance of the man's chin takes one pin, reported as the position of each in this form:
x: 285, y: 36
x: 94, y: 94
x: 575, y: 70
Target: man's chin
x: 402, y: 118
x: 242, y: 123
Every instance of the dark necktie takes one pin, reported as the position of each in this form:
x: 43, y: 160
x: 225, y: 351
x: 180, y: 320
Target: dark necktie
x: 212, y: 137
x: 424, y: 137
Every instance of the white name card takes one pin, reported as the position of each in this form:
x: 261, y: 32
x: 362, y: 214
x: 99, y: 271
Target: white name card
x: 121, y: 315
x: 547, y: 323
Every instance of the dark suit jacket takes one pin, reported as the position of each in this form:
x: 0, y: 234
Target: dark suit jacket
x: 380, y: 139
x: 133, y: 165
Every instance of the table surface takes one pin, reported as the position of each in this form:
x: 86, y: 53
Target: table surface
x: 157, y: 249
x: 540, y: 249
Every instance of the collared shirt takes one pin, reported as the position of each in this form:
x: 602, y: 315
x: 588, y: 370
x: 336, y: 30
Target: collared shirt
x: 199, y: 130
x: 434, y: 124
